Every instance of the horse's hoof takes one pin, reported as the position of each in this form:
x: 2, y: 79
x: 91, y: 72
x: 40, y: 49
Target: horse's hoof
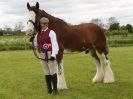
x: 62, y: 88
x: 108, y: 80
x: 96, y: 80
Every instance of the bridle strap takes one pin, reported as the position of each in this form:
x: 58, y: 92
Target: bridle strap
x: 31, y: 22
x: 35, y: 24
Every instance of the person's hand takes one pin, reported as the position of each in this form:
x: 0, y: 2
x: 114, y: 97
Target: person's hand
x: 52, y: 58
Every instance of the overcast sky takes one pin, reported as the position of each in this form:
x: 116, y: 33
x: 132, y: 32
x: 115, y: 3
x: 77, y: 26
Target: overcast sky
x: 72, y: 11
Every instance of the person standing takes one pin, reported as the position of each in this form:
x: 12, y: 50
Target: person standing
x: 48, y: 48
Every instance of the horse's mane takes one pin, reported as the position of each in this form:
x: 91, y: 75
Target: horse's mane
x: 62, y: 21
x: 51, y: 17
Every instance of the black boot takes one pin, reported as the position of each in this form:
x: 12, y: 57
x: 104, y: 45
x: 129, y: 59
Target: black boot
x: 48, y: 82
x: 54, y: 83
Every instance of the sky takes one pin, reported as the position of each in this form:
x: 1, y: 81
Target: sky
x: 71, y: 11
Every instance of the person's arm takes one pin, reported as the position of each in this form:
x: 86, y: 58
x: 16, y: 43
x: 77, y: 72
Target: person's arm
x: 55, y: 47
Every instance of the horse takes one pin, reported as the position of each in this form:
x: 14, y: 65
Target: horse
x: 85, y: 37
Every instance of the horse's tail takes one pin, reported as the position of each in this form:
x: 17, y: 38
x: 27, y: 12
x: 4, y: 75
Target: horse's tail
x: 106, y: 48
x: 101, y: 42
x: 106, y: 45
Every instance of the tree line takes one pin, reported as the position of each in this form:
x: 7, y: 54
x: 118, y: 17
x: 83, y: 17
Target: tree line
x: 17, y: 30
x: 113, y: 27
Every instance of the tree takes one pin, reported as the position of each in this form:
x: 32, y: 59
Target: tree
x: 1, y: 31
x: 123, y: 27
x: 111, y: 20
x: 18, y: 26
x: 98, y: 22
x: 129, y: 28
x: 114, y: 26
x: 7, y: 30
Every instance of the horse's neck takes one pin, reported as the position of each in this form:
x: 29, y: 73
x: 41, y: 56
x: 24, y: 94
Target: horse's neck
x: 44, y: 14
x: 55, y: 23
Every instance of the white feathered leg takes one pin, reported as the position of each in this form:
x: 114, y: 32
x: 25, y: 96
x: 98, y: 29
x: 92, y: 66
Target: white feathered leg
x: 99, y: 74
x: 61, y: 78
x: 108, y: 75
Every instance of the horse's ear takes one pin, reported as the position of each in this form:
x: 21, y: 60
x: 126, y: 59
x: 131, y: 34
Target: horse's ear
x: 37, y: 5
x: 28, y: 5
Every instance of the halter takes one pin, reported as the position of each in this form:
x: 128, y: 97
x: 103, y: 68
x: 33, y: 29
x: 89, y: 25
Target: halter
x: 31, y: 22
x: 36, y: 23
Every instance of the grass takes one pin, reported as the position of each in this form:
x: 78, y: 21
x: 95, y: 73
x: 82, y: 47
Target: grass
x: 21, y: 76
x: 14, y: 43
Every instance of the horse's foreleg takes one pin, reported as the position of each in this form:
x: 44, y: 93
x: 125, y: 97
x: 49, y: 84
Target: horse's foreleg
x: 61, y: 84
x: 61, y: 78
x: 99, y: 73
x: 108, y: 75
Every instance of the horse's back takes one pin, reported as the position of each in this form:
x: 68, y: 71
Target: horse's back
x: 90, y: 31
x: 83, y: 37
x: 93, y: 36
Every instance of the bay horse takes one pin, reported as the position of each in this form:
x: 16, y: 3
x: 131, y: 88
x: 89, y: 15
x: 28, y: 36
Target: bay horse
x: 86, y: 37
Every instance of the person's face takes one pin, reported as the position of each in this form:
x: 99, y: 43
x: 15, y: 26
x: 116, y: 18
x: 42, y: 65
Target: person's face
x: 44, y: 26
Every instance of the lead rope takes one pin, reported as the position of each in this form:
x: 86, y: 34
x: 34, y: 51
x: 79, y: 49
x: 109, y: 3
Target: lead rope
x: 33, y: 47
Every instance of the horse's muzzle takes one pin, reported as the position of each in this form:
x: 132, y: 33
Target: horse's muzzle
x: 29, y: 32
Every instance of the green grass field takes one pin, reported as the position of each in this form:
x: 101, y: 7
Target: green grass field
x: 21, y: 76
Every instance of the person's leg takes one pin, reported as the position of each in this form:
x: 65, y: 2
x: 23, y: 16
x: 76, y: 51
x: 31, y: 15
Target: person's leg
x: 47, y: 74
x: 53, y: 71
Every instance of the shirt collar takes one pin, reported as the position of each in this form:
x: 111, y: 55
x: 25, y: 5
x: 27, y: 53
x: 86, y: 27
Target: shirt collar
x: 43, y: 30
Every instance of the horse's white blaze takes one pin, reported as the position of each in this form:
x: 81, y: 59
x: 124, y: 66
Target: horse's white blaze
x: 30, y: 16
x: 99, y: 74
x: 108, y: 74
x: 61, y: 79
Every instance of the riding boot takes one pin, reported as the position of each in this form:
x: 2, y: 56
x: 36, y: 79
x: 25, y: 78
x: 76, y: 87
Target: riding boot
x: 54, y: 83
x: 48, y: 82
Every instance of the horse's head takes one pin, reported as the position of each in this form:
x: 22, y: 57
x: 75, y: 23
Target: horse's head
x: 33, y: 18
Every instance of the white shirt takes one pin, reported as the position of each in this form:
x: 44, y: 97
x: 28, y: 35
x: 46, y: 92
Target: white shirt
x: 53, y: 38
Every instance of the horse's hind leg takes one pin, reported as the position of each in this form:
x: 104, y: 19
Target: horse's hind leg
x: 108, y: 74
x: 99, y: 73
